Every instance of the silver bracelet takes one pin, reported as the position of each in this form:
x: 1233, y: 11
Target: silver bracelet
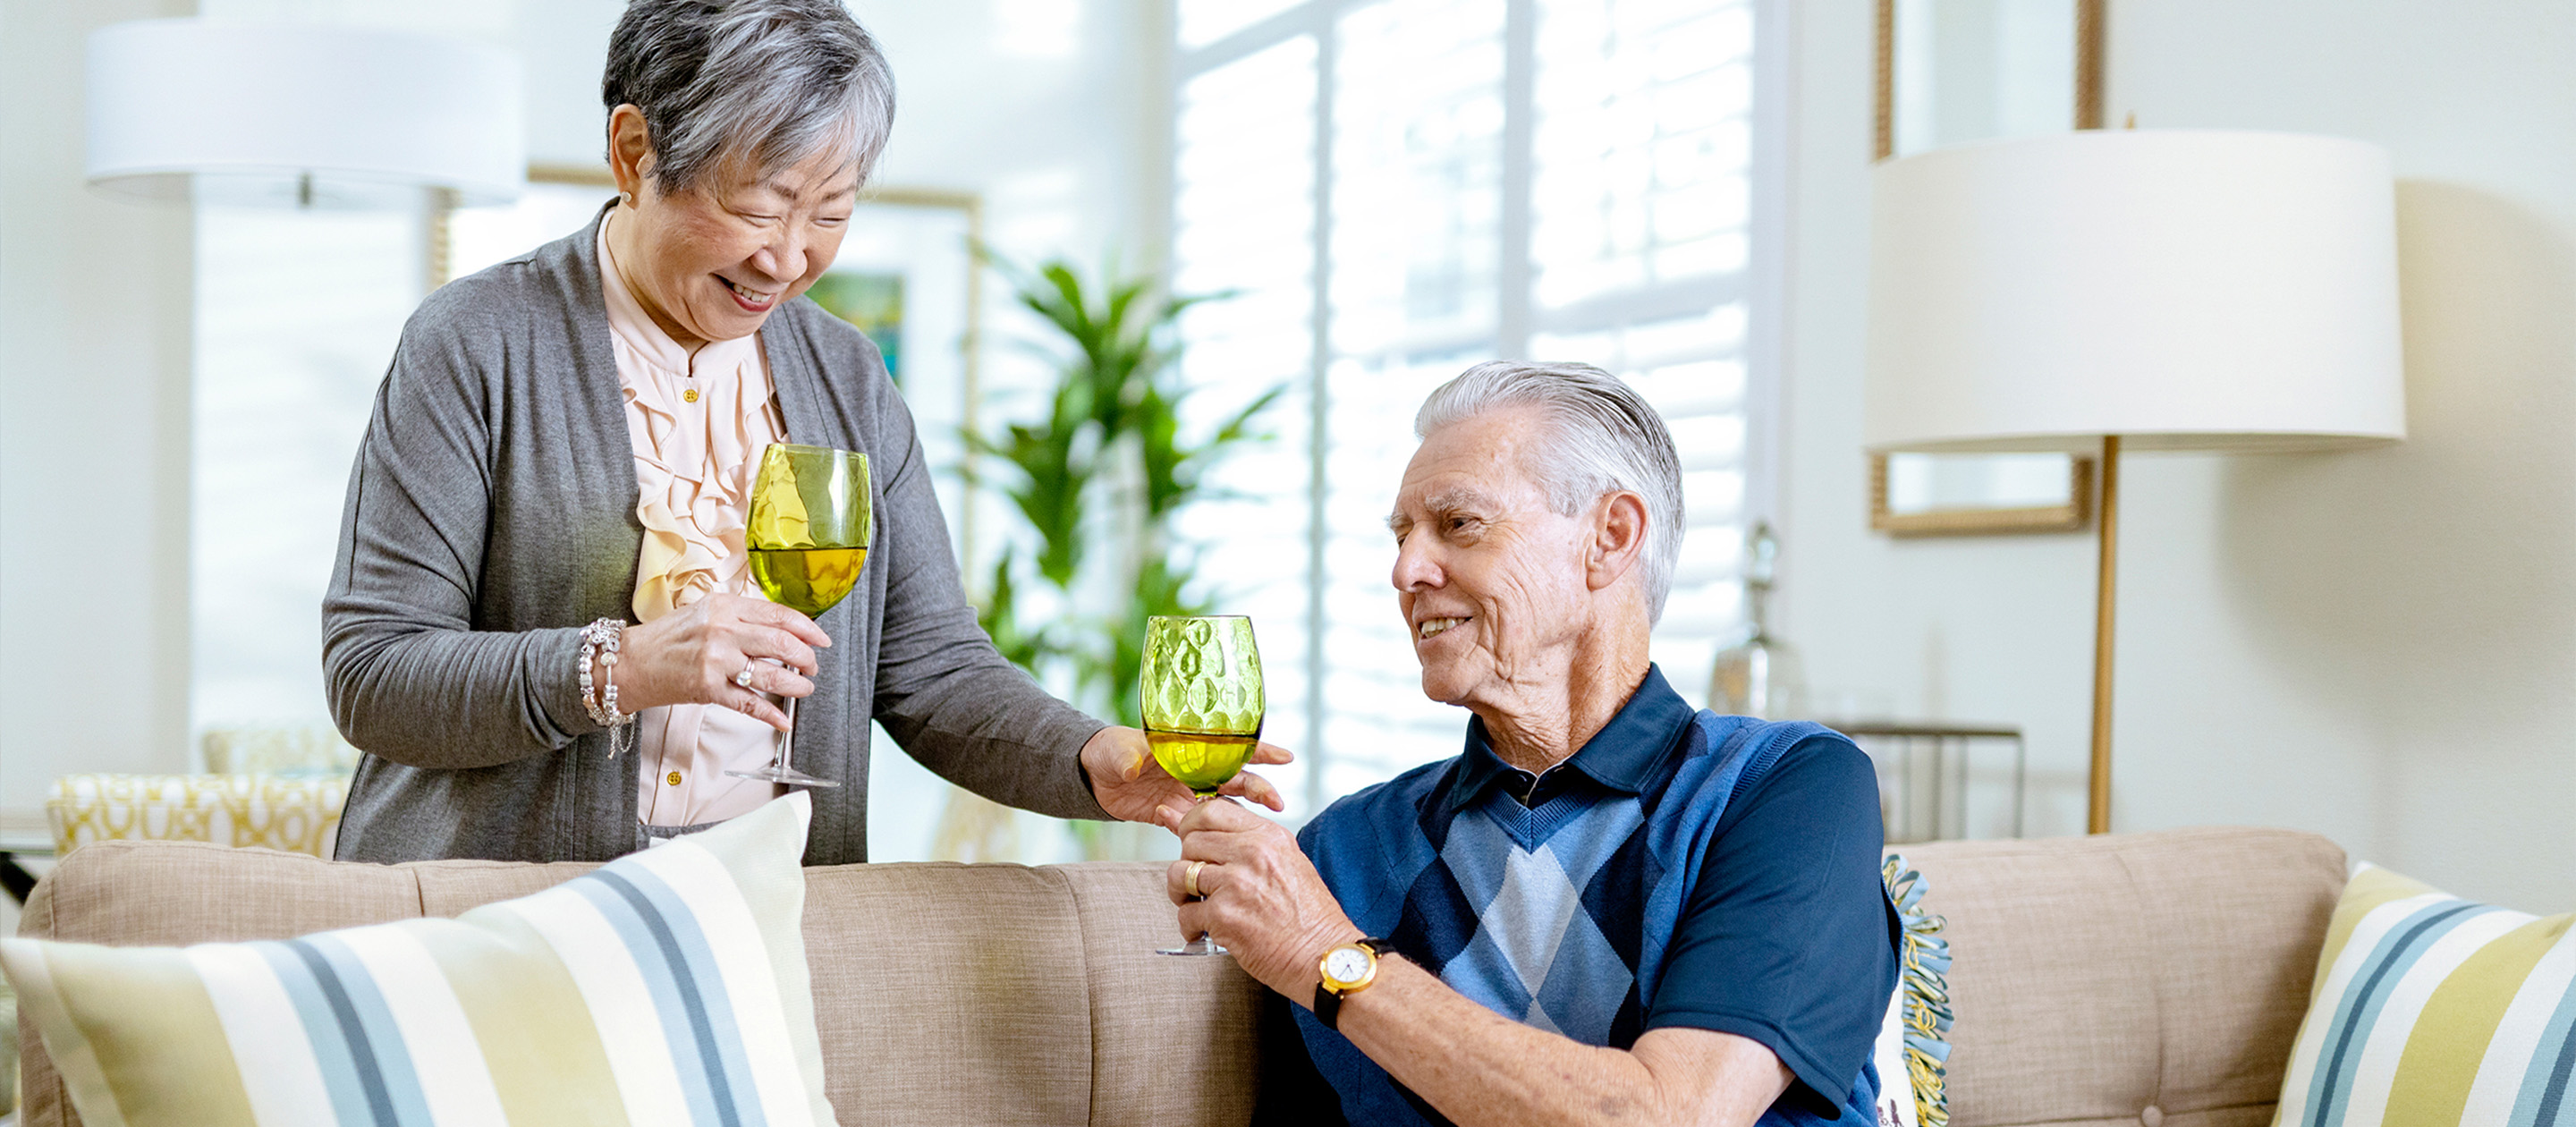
x: 599, y: 642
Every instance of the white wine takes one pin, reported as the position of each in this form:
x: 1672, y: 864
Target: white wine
x: 1201, y: 761
x: 811, y: 580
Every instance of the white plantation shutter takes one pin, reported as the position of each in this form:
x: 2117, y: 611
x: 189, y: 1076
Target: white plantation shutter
x: 1399, y: 189
x: 1244, y: 218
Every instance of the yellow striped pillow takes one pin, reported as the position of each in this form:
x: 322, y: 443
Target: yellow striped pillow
x: 2429, y: 1009
x: 667, y: 987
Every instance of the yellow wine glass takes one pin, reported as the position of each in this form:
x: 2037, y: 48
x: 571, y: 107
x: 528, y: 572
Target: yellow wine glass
x: 1203, y: 701
x: 807, y: 537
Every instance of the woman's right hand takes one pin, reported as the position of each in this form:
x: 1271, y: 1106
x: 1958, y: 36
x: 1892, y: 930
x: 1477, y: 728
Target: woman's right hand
x: 691, y: 655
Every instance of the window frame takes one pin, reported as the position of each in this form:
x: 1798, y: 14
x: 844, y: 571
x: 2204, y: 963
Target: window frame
x: 1763, y: 284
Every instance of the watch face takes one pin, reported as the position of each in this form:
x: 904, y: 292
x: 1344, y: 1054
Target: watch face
x: 1346, y: 964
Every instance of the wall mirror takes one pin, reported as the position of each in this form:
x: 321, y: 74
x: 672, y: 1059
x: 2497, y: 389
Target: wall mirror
x: 1979, y: 494
x: 1953, y: 71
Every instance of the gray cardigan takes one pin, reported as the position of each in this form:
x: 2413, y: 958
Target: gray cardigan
x: 491, y: 513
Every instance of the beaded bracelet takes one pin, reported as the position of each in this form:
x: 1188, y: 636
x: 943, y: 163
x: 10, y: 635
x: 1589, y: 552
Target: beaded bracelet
x: 599, y: 642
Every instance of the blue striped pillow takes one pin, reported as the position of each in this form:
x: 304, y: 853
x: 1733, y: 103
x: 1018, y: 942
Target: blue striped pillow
x: 2432, y: 1010
x: 665, y: 987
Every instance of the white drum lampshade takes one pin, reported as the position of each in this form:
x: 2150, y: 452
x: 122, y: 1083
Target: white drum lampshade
x: 2159, y: 290
x: 2180, y: 289
x: 299, y: 114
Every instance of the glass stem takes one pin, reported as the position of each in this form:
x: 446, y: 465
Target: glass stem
x: 787, y: 739
x: 1198, y: 800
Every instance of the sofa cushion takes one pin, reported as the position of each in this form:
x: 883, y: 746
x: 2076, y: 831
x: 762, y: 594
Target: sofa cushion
x: 666, y: 986
x: 955, y: 990
x: 1175, y: 1041
x: 2433, y: 1010
x: 2095, y: 978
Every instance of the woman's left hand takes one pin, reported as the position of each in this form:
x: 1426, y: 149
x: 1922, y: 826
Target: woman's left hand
x: 1134, y: 788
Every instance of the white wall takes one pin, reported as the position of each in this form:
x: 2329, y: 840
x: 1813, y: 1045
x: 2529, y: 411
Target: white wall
x: 1053, y: 110
x: 94, y: 300
x: 2379, y: 646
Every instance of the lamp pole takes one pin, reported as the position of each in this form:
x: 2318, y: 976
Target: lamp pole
x: 2105, y: 603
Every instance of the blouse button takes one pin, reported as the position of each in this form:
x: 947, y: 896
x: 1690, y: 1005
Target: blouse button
x: 673, y: 778
x: 690, y: 395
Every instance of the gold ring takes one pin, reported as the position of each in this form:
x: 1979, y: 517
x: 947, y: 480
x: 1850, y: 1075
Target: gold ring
x: 1190, y: 879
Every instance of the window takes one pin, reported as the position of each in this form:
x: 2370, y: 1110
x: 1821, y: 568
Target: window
x: 1396, y: 189
x: 297, y: 314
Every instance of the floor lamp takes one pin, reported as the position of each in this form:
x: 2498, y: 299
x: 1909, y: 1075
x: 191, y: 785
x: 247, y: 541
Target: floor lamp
x: 2133, y: 290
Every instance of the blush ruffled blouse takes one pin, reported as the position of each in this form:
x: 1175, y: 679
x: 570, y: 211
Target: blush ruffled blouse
x: 698, y: 423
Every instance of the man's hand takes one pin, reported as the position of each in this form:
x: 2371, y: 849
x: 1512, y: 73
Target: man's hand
x: 1134, y: 788
x: 1263, y: 900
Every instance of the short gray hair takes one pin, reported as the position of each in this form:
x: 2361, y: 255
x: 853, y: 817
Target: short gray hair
x: 1603, y: 438
x: 768, y: 83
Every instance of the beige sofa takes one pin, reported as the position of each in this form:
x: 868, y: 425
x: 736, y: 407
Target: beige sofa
x: 2149, y: 978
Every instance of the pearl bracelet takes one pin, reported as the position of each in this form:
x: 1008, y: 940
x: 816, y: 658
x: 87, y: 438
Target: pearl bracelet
x: 599, y: 642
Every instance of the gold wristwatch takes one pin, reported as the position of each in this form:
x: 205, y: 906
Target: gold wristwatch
x: 1345, y: 970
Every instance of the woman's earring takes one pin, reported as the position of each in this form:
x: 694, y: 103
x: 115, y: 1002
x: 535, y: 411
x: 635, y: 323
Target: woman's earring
x: 626, y: 199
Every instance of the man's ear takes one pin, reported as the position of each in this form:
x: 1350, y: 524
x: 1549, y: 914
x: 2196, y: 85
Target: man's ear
x: 1618, y: 538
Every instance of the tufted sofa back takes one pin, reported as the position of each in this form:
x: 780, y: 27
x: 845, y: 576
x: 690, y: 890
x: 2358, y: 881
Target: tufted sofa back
x: 2137, y: 978
x: 2143, y: 978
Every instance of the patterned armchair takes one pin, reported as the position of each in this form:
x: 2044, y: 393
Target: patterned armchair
x: 298, y: 815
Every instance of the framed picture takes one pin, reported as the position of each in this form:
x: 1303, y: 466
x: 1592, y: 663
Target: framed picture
x: 906, y: 275
x: 1953, y: 71
x: 1974, y: 70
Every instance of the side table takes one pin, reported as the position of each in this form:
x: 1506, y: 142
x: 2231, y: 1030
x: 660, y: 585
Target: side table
x: 1923, y: 772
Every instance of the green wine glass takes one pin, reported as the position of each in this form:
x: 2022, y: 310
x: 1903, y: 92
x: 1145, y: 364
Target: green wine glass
x: 1203, y: 703
x: 808, y: 536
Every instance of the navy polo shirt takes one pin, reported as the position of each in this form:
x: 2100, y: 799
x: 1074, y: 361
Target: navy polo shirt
x: 1780, y: 932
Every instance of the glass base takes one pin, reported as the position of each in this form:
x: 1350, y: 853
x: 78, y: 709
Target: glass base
x: 788, y: 775
x: 1199, y: 946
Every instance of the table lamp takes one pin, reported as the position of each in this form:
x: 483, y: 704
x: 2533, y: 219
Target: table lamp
x: 312, y: 115
x: 304, y: 115
x: 2138, y: 289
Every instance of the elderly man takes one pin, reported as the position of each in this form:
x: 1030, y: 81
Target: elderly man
x: 1607, y: 909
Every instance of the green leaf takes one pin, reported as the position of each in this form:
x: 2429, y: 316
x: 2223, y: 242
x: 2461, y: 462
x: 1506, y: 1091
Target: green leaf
x: 1117, y: 382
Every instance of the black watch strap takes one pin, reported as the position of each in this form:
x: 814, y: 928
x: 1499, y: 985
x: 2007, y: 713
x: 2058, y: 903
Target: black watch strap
x: 1328, y: 1005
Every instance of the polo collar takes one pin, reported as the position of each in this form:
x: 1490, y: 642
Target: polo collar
x: 1623, y: 756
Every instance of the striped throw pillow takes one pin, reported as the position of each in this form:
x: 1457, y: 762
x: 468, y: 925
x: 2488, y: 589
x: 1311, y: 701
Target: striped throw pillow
x: 667, y: 987
x: 2429, y: 1009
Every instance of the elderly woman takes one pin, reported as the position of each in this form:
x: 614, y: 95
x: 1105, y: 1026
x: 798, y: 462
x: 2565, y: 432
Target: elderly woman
x: 568, y: 437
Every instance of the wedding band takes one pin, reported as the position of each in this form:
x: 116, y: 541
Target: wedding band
x: 1190, y: 879
x: 744, y: 678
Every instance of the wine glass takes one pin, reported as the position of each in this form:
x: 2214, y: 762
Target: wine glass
x: 808, y: 534
x: 1203, y: 704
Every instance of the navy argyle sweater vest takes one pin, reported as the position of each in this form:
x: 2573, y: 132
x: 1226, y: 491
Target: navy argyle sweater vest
x: 1558, y: 916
